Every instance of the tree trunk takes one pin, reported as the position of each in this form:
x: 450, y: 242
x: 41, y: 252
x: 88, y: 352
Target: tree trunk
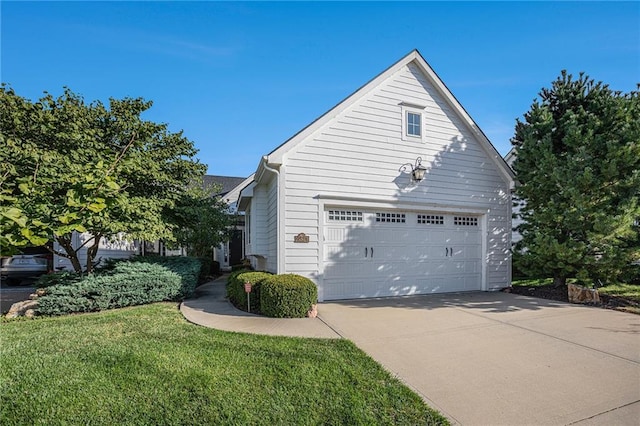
x: 559, y: 280
x: 92, y: 251
x: 72, y: 254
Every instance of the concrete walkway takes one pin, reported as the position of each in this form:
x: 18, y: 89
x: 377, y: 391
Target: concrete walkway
x: 479, y: 358
x: 211, y: 309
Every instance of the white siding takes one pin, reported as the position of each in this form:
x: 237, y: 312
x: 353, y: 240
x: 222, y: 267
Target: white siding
x: 272, y: 226
x: 359, y: 153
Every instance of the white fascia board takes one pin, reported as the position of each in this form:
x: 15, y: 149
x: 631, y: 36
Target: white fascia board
x: 234, y: 195
x: 486, y: 144
x: 246, y: 194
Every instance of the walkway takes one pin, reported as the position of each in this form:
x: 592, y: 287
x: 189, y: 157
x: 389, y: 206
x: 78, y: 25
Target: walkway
x: 212, y: 309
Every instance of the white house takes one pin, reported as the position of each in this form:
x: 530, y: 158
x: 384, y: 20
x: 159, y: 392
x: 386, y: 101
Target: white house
x: 342, y: 203
x: 230, y: 252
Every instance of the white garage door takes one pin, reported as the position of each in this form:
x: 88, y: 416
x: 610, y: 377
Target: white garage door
x: 383, y: 253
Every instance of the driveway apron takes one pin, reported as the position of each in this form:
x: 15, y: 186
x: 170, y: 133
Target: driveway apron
x: 498, y: 358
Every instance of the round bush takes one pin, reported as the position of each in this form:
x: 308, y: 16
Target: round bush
x: 287, y: 296
x: 239, y: 296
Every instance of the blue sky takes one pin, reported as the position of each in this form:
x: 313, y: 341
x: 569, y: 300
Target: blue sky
x: 241, y: 78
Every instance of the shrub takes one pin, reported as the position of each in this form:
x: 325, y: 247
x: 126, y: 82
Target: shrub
x: 57, y: 278
x: 287, y: 296
x: 236, y: 292
x: 231, y: 279
x: 205, y: 269
x: 128, y: 284
x: 188, y: 268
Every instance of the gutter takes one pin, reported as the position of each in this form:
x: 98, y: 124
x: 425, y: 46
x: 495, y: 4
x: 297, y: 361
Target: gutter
x: 280, y: 235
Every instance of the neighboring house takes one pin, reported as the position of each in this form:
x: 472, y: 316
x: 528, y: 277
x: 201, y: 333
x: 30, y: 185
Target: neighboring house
x: 338, y: 204
x: 117, y: 248
x: 227, y: 254
x: 231, y: 252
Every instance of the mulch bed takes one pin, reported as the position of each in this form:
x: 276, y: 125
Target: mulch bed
x: 560, y: 294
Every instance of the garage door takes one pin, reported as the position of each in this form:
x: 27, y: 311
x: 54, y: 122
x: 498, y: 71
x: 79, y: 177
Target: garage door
x: 392, y: 253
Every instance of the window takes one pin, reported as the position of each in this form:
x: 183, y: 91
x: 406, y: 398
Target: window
x: 465, y: 221
x: 391, y: 217
x: 414, y: 124
x: 429, y: 219
x: 345, y: 216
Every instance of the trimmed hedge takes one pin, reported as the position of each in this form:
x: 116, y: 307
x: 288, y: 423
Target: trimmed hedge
x: 287, y: 296
x: 235, y: 288
x: 231, y: 280
x: 128, y: 284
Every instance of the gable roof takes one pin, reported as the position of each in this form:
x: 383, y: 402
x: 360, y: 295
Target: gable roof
x: 275, y: 157
x: 227, y: 183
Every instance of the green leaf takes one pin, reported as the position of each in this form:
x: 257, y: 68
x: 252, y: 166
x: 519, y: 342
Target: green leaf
x: 96, y: 207
x: 24, y: 188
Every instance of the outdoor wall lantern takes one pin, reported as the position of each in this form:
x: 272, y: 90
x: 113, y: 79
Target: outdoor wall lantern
x: 417, y: 170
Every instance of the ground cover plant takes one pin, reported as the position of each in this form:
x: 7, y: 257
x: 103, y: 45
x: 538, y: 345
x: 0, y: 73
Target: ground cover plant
x: 119, y: 283
x: 620, y: 296
x: 147, y: 365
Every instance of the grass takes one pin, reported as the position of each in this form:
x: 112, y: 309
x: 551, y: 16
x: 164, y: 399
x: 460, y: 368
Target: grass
x: 147, y: 365
x: 538, y: 282
x: 627, y: 291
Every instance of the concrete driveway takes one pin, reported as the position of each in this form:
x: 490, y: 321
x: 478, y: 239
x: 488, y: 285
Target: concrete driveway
x: 497, y: 358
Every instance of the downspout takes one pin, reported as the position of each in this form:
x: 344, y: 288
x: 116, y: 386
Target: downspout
x: 279, y: 217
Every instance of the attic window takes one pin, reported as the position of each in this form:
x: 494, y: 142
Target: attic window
x: 412, y: 122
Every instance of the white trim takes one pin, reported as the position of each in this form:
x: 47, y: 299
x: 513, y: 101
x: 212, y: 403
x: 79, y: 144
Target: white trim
x: 407, y: 109
x: 360, y: 202
x: 320, y: 268
x: 484, y: 231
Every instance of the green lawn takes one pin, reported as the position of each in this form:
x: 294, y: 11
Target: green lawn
x: 147, y: 365
x: 628, y: 291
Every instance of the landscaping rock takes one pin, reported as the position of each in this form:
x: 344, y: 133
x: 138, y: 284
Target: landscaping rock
x: 25, y: 308
x: 313, y: 312
x: 579, y: 294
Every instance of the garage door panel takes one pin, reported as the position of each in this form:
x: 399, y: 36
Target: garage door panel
x: 343, y: 253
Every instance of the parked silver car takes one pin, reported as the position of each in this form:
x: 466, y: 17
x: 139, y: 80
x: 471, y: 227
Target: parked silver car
x: 16, y: 268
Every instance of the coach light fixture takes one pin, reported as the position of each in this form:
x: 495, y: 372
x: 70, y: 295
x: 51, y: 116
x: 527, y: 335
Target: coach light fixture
x: 417, y: 170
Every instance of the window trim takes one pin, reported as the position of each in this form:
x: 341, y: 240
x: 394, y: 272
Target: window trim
x: 418, y: 110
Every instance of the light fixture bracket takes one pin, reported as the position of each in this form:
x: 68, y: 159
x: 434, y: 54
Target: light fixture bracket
x: 417, y: 170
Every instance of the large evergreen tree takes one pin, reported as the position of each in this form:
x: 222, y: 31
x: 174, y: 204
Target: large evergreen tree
x: 67, y: 166
x: 578, y: 171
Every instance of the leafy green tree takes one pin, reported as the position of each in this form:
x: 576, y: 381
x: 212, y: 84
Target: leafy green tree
x: 578, y: 168
x: 71, y: 166
x: 202, y: 220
